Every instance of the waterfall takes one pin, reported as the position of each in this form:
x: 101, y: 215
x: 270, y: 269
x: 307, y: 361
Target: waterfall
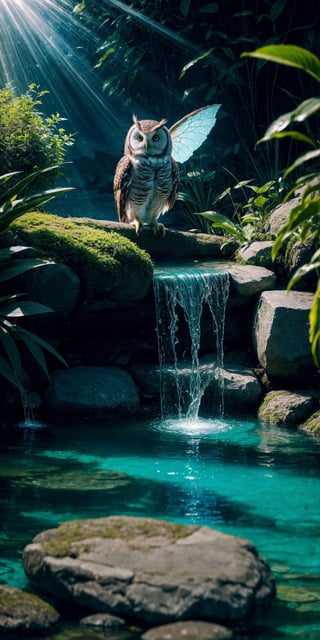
x: 180, y: 297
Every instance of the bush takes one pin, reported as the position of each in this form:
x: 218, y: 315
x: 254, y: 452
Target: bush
x: 28, y: 140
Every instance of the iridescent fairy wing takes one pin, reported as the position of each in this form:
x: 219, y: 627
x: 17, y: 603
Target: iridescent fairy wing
x: 190, y: 132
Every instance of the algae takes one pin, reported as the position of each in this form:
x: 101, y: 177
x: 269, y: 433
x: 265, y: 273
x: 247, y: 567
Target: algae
x: 63, y: 541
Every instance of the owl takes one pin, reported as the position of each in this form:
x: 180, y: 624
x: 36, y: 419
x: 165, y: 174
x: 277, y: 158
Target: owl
x: 146, y: 181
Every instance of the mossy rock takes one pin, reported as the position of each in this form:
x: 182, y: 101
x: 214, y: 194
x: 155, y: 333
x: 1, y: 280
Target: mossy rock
x: 312, y: 424
x: 108, y: 265
x: 24, y: 613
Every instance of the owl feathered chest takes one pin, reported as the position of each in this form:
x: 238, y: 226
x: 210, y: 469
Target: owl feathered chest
x: 149, y: 177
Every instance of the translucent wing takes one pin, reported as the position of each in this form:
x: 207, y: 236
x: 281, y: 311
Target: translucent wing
x: 190, y: 132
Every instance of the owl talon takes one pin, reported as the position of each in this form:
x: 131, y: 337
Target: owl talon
x: 158, y: 229
x: 138, y: 225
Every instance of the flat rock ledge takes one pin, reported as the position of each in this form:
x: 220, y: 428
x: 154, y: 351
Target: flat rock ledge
x: 24, y: 614
x: 152, y: 572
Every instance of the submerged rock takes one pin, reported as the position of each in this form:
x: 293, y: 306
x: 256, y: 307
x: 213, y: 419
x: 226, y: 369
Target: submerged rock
x: 102, y: 621
x: 24, y: 613
x: 189, y: 630
x: 151, y: 571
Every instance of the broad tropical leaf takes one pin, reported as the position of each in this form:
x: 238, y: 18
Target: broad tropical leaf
x: 289, y: 55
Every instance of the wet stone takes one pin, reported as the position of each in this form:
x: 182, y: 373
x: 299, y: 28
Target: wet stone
x: 104, y: 621
x: 189, y: 630
x: 24, y: 613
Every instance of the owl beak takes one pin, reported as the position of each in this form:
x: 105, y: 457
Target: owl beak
x: 146, y: 146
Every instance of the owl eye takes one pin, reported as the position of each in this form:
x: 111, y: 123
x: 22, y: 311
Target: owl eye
x: 139, y: 137
x: 156, y: 137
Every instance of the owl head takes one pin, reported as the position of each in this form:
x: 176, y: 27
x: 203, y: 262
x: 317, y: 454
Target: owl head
x: 148, y: 138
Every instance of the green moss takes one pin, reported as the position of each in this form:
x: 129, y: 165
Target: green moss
x: 11, y: 598
x: 108, y: 264
x: 270, y: 411
x: 313, y: 423
x: 67, y: 539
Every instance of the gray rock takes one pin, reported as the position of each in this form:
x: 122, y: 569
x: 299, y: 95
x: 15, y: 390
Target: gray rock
x: 151, y: 571
x: 24, y: 613
x: 241, y: 387
x: 189, y: 630
x: 280, y: 215
x: 312, y: 424
x: 240, y: 384
x: 178, y: 244
x: 257, y: 253
x: 102, y: 621
x: 54, y: 285
x: 248, y: 280
x: 285, y: 408
x: 84, y: 390
x: 281, y: 333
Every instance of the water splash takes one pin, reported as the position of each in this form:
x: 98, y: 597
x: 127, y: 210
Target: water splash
x: 183, y: 382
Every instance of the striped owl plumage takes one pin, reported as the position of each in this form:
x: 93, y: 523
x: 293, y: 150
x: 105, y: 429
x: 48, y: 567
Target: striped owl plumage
x: 146, y: 181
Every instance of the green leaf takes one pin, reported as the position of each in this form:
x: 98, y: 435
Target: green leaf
x: 184, y: 7
x: 260, y: 201
x: 289, y: 55
x: 17, y: 267
x: 35, y: 350
x: 210, y: 8
x: 310, y: 155
x: 303, y: 111
x: 11, y: 350
x: 314, y: 330
x: 25, y: 308
x: 22, y: 184
x: 7, y: 372
x: 296, y: 135
x: 303, y: 271
x: 45, y: 345
x: 222, y: 222
x: 191, y: 64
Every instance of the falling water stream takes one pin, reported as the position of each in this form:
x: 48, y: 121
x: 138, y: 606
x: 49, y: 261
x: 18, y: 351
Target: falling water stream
x: 189, y: 288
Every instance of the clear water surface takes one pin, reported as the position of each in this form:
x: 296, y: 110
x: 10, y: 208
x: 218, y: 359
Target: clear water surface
x: 258, y: 482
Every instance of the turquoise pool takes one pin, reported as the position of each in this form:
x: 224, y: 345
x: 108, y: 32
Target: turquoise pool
x: 259, y: 482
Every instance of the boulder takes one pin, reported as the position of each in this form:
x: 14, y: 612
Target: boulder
x: 189, y: 630
x: 240, y: 384
x: 280, y: 216
x: 249, y: 280
x: 281, y: 333
x: 241, y: 388
x: 24, y: 613
x: 257, y: 253
x: 81, y: 391
x: 312, y: 424
x: 151, y: 571
x: 181, y: 245
x: 55, y: 285
x: 285, y: 408
x: 102, y: 622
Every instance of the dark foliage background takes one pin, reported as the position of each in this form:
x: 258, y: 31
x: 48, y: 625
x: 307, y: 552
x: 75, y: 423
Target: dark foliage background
x: 164, y: 59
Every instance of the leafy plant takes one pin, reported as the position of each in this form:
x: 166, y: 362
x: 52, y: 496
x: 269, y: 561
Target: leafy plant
x: 28, y: 140
x: 13, y: 204
x: 245, y: 226
x: 304, y: 219
x: 196, y: 193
